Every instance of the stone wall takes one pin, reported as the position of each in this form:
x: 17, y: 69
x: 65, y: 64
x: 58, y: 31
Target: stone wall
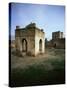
x: 59, y: 43
x: 39, y: 35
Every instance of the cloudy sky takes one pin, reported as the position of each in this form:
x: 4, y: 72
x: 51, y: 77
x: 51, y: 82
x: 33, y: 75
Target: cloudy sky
x: 48, y: 17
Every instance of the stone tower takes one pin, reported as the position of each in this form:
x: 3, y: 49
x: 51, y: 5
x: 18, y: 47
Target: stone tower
x: 30, y: 40
x: 57, y: 35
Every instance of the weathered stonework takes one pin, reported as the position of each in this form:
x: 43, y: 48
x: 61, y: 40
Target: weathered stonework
x: 58, y: 43
x: 57, y: 35
x: 29, y: 40
x: 57, y: 40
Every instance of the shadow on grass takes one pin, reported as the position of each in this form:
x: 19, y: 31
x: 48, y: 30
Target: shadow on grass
x: 38, y: 75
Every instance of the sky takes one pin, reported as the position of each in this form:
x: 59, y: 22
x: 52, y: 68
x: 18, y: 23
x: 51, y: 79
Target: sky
x: 50, y: 18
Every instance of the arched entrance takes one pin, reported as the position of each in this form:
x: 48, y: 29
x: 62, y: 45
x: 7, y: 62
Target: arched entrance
x: 24, y: 46
x: 54, y: 45
x: 40, y: 45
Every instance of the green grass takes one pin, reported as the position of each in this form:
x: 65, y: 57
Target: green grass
x: 51, y: 71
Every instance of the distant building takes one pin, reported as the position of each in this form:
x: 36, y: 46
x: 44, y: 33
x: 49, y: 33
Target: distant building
x: 57, y: 40
x: 59, y: 43
x: 57, y: 35
x: 30, y: 40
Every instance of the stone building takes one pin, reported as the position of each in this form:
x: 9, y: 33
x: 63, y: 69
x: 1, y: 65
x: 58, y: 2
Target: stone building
x: 29, y: 40
x: 57, y: 35
x: 58, y: 41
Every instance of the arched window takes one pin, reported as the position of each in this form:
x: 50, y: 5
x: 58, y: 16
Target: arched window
x: 40, y: 45
x: 24, y: 45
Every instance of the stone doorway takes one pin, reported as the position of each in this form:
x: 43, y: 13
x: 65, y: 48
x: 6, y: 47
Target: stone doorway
x: 40, y: 45
x: 54, y: 45
x: 24, y: 47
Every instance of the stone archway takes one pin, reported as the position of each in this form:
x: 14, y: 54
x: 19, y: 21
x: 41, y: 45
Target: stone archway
x: 40, y: 45
x: 24, y: 46
x: 55, y: 45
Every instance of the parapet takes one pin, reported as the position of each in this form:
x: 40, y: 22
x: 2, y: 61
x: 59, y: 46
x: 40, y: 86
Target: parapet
x: 31, y: 25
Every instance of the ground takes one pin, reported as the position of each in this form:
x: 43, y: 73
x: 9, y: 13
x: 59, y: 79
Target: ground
x: 45, y: 69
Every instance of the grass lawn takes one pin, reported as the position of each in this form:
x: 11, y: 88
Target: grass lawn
x: 44, y: 69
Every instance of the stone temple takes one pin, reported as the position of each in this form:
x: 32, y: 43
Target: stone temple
x: 30, y: 40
